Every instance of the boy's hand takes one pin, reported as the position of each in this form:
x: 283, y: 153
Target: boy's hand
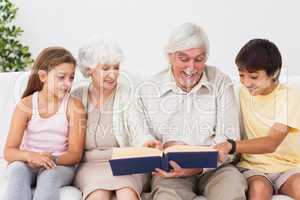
x: 223, y: 148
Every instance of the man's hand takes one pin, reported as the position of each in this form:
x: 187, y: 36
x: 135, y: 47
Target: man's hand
x: 172, y: 143
x: 154, y: 144
x: 177, y: 171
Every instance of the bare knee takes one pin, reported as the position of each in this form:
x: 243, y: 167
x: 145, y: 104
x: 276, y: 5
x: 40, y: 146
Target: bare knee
x: 296, y: 191
x: 126, y: 193
x: 292, y: 187
x: 259, y: 188
x: 100, y: 194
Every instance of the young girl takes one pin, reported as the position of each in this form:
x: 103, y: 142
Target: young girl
x: 46, y: 135
x: 271, y: 120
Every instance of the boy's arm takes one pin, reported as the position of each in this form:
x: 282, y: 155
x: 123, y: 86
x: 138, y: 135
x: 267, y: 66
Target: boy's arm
x: 262, y: 145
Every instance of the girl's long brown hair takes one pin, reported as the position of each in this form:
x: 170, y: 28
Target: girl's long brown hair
x: 46, y: 60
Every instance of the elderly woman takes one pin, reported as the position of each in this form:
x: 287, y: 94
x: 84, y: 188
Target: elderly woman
x: 111, y: 122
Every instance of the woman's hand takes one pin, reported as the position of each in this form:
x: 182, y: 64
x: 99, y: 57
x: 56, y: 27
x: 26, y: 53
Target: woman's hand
x: 36, y: 160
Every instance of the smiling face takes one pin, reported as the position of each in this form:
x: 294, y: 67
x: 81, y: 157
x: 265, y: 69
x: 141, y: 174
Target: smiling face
x: 259, y: 63
x: 257, y: 82
x: 58, y: 81
x: 187, y: 67
x: 105, y: 76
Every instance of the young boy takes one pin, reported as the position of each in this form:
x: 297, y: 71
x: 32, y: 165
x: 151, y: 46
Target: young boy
x: 271, y: 119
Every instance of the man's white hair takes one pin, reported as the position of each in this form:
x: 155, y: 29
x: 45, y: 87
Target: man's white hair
x: 99, y: 50
x: 187, y: 36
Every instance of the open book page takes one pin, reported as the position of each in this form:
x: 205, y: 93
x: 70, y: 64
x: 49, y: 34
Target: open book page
x: 189, y: 148
x: 135, y: 152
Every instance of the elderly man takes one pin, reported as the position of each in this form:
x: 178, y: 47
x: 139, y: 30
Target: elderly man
x: 192, y: 103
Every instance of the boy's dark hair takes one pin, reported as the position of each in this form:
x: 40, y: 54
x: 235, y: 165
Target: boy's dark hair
x: 260, y: 54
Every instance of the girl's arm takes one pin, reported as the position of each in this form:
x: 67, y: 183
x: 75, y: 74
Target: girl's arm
x: 18, y: 124
x: 77, y: 126
x: 12, y: 152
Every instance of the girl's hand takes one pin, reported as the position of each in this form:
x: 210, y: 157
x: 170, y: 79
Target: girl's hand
x: 41, y: 160
x: 33, y: 166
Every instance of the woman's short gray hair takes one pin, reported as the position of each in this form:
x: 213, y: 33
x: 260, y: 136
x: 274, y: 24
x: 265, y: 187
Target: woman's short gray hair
x: 99, y: 50
x: 187, y: 36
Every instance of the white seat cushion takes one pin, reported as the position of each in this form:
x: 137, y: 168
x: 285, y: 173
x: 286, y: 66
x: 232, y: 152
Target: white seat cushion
x: 200, y: 198
x: 70, y: 193
x: 281, y: 197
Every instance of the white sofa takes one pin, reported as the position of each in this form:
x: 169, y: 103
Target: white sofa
x: 11, y: 86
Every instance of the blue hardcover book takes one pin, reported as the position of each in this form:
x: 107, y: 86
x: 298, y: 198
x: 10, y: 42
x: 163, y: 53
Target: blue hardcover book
x: 136, y: 160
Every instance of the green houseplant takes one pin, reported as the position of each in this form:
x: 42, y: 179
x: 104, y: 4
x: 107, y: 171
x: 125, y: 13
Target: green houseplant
x: 13, y: 55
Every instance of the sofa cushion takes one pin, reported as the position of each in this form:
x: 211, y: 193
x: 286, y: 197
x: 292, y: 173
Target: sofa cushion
x: 11, y: 85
